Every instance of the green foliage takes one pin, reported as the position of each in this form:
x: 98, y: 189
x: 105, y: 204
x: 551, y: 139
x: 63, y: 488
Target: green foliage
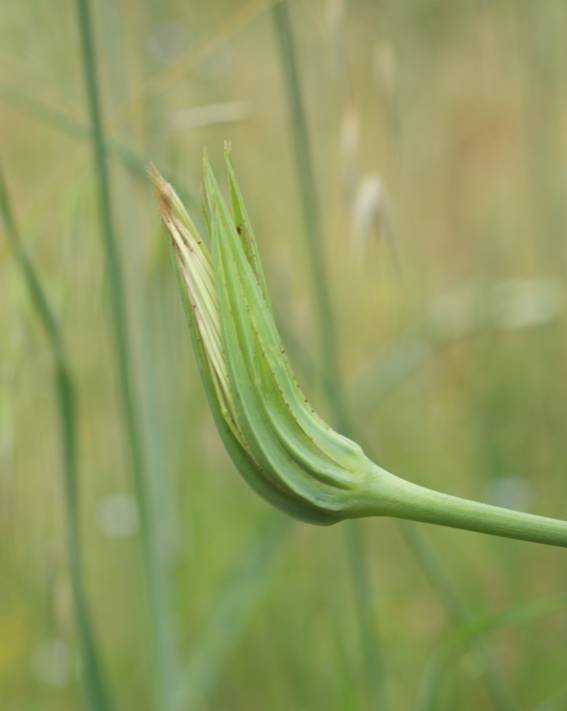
x: 97, y: 693
x: 449, y: 364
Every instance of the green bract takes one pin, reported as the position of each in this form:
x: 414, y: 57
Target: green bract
x: 282, y: 448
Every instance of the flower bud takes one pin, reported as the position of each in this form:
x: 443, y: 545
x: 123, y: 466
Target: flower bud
x: 282, y: 448
x: 280, y: 445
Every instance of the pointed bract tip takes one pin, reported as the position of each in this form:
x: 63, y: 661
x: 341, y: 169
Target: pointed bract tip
x: 164, y: 191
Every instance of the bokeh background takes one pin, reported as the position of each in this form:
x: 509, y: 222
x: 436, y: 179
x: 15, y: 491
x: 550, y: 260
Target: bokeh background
x: 438, y: 132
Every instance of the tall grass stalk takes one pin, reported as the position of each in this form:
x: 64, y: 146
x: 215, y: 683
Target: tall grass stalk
x: 463, y: 638
x: 328, y: 353
x: 395, y: 371
x: 385, y: 378
x: 233, y: 608
x: 459, y: 613
x: 70, y: 127
x: 67, y: 126
x: 97, y: 692
x: 425, y: 556
x: 122, y: 349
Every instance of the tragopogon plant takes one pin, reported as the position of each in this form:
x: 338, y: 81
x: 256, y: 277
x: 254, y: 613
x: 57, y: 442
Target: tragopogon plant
x: 282, y: 448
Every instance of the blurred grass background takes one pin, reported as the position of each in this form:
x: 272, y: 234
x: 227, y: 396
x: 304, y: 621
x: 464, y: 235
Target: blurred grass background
x: 439, y: 140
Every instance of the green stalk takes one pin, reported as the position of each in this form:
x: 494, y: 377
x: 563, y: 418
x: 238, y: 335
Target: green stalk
x: 387, y: 495
x: 311, y: 216
x: 122, y: 346
x: 456, y: 608
x: 424, y: 553
x: 133, y: 161
x: 330, y: 375
x: 97, y: 693
x: 465, y: 637
x: 427, y: 557
x: 310, y: 205
x: 68, y: 126
x: 232, y: 610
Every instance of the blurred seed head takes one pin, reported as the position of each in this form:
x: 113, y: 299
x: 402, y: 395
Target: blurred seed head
x: 369, y: 215
x: 524, y: 303
x: 210, y: 114
x: 511, y: 305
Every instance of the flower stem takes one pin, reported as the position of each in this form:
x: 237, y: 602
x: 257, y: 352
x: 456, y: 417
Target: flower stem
x: 388, y: 495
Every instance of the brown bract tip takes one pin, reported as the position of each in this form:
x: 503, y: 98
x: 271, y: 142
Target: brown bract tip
x: 163, y: 189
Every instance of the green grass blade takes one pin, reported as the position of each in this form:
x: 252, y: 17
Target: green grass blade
x: 308, y: 193
x: 399, y: 363
x: 463, y: 638
x: 556, y: 701
x: 160, y: 467
x: 68, y: 126
x: 390, y: 369
x: 233, y: 609
x: 305, y: 173
x: 425, y: 555
x: 457, y: 610
x: 136, y: 163
x: 330, y: 375
x: 122, y: 349
x: 434, y: 570
x: 97, y: 692
x: 363, y: 595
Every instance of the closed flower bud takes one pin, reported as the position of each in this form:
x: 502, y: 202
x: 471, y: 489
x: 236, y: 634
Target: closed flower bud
x: 282, y: 448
